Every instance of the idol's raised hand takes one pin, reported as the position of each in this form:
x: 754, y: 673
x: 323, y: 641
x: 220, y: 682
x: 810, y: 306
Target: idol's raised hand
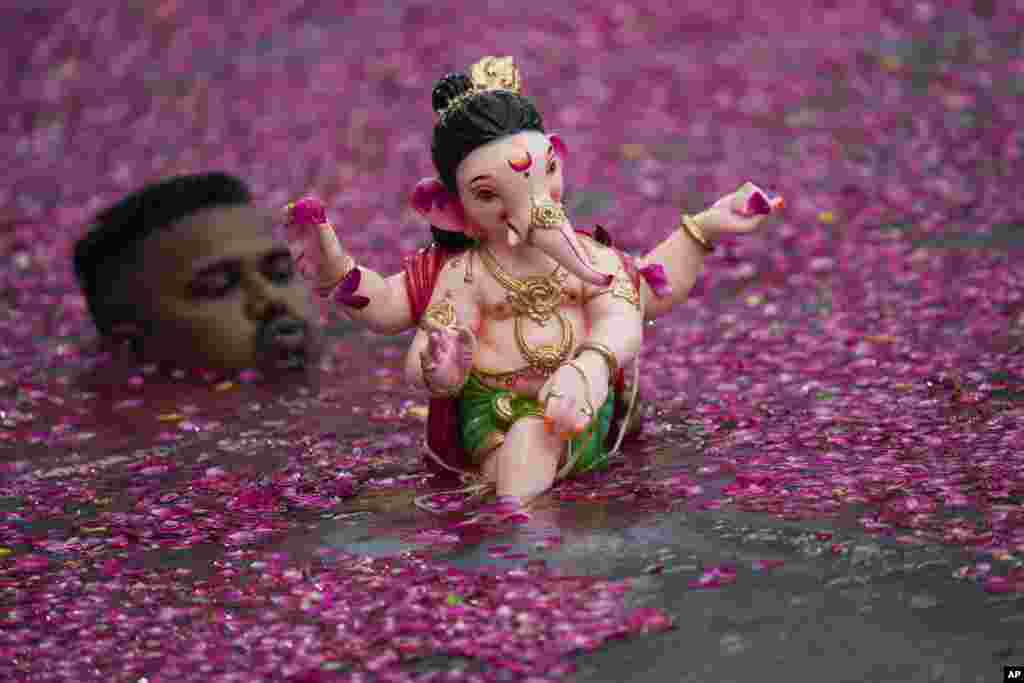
x: 314, y: 245
x: 739, y: 212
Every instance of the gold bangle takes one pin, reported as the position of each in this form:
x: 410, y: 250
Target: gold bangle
x: 323, y: 291
x: 622, y: 288
x: 586, y: 384
x: 609, y: 357
x: 351, y: 261
x: 691, y: 228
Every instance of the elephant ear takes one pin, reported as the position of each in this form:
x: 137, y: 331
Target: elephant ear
x: 436, y: 204
x: 561, y: 150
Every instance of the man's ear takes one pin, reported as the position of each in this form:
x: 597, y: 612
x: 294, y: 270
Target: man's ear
x: 436, y: 204
x: 126, y: 335
x: 125, y: 330
x: 561, y: 151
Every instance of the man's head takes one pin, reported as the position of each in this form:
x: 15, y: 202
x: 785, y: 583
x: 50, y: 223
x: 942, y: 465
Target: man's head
x: 188, y: 270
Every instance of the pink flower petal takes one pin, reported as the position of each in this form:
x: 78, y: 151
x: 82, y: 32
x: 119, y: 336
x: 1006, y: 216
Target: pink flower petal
x: 762, y: 565
x: 306, y: 212
x: 350, y: 283
x: 561, y: 149
x: 1003, y: 584
x: 757, y: 205
x: 716, y: 577
x: 429, y: 193
x: 654, y: 275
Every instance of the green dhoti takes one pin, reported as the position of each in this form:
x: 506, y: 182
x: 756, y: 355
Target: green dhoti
x: 486, y: 414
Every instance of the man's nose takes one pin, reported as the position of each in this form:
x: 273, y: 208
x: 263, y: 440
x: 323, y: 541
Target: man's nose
x: 262, y: 299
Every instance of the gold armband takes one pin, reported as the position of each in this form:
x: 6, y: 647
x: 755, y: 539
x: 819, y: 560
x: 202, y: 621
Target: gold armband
x: 323, y: 291
x: 441, y: 314
x: 622, y: 288
x: 609, y: 357
x: 688, y: 225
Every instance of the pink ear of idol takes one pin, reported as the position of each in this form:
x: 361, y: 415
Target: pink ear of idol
x: 432, y: 200
x: 427, y: 194
x: 560, y: 148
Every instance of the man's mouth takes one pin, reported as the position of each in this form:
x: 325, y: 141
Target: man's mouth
x: 284, y: 342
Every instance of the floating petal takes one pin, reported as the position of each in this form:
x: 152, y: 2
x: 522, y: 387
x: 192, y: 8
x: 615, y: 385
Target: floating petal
x: 655, y: 277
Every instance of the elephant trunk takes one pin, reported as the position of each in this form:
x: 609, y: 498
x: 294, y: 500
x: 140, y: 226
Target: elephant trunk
x: 553, y: 234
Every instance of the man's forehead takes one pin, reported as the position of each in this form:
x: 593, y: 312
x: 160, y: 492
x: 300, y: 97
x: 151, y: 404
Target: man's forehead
x: 222, y: 231
x: 218, y: 222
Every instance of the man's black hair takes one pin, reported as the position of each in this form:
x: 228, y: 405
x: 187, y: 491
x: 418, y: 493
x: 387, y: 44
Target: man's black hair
x: 117, y: 231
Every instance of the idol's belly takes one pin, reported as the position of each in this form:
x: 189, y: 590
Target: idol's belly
x: 522, y: 360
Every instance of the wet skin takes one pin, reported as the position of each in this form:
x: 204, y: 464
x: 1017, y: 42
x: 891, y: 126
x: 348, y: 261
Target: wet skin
x: 217, y: 291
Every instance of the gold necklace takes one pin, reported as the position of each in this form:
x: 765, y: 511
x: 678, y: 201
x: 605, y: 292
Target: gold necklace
x: 536, y: 298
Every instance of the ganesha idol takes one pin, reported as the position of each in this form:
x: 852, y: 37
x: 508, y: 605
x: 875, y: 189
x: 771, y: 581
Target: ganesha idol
x: 526, y: 325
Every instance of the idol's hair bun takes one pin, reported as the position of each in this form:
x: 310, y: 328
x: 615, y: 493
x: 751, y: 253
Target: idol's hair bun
x: 448, y: 88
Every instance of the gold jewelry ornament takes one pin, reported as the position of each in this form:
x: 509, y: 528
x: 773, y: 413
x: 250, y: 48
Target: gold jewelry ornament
x: 504, y: 413
x: 622, y: 288
x: 496, y: 73
x: 490, y: 73
x: 538, y: 299
x: 503, y: 409
x: 586, y: 384
x: 455, y: 105
x: 553, y: 393
x: 510, y: 377
x: 441, y: 314
x: 691, y: 228
x: 609, y: 356
x: 491, y: 442
x: 547, y: 216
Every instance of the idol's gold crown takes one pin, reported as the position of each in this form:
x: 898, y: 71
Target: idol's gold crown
x: 490, y: 73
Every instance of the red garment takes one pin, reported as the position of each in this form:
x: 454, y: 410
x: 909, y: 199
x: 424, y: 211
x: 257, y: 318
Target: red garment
x: 443, y: 433
x: 421, y: 270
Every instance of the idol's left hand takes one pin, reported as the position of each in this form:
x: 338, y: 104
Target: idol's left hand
x: 739, y: 212
x: 571, y: 401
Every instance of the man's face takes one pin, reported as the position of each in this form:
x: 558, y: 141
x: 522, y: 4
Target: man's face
x: 219, y: 292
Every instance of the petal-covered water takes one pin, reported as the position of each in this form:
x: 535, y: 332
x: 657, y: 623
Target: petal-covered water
x: 859, y: 362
